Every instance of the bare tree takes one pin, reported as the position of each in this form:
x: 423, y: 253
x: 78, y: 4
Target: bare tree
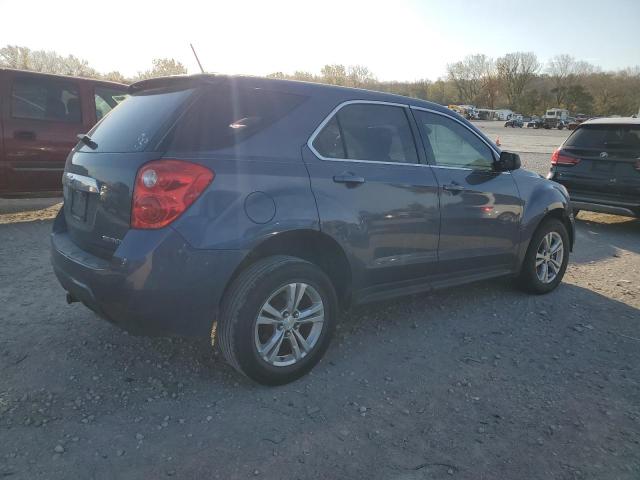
x: 468, y: 76
x: 516, y: 71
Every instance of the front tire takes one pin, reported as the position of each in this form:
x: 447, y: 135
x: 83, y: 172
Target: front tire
x: 546, y: 259
x: 277, y: 319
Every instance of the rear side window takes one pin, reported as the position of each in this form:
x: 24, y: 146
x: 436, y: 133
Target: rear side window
x: 371, y: 132
x: 606, y: 137
x: 43, y: 99
x: 138, y: 122
x: 107, y: 99
x: 224, y: 116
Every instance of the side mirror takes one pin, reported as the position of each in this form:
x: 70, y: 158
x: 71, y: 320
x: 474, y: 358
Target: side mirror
x: 508, y: 161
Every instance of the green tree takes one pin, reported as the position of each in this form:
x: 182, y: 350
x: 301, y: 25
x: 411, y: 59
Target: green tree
x: 334, y: 74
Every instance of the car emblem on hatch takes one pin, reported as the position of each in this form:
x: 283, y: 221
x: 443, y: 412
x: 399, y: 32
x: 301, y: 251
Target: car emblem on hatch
x: 604, y: 154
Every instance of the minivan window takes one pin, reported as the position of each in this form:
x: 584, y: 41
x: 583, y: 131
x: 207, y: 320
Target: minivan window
x: 137, y: 122
x: 449, y: 143
x: 364, y: 131
x: 606, y: 137
x: 225, y: 115
x: 43, y: 99
x: 107, y: 99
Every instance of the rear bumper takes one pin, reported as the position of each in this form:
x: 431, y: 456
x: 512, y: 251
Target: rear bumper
x: 155, y: 283
x: 598, y: 202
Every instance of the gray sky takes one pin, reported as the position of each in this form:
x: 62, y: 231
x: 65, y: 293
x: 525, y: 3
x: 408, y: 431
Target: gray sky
x: 396, y: 39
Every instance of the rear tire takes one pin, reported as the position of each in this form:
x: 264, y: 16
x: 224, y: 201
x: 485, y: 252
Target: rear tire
x: 542, y: 269
x: 255, y: 314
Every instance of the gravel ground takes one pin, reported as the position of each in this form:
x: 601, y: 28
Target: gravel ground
x: 478, y: 382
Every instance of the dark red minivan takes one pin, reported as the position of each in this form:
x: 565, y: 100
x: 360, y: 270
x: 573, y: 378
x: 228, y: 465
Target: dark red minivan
x: 40, y: 116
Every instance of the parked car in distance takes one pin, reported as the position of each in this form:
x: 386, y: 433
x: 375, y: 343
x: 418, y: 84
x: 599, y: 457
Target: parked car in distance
x: 513, y: 123
x: 599, y: 164
x: 535, y: 122
x: 252, y: 210
x: 40, y: 117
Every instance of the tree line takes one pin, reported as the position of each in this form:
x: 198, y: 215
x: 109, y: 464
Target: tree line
x: 23, y: 58
x: 517, y: 80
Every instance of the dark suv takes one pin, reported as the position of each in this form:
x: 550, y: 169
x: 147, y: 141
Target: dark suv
x: 253, y: 210
x: 600, y: 166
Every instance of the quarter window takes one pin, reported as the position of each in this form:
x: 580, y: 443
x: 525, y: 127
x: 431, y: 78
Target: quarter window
x: 45, y: 100
x: 450, y: 144
x: 373, y: 132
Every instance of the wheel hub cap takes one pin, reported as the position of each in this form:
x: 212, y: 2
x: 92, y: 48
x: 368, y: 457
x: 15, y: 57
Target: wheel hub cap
x: 289, y: 324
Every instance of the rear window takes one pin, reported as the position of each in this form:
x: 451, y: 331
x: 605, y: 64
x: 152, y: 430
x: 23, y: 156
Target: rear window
x: 138, y: 122
x: 227, y: 115
x: 606, y: 137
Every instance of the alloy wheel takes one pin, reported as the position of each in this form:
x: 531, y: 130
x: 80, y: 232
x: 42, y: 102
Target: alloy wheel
x: 289, y: 324
x: 549, y: 257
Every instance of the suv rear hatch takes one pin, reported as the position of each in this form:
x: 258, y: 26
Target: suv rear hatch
x: 193, y: 116
x: 606, y: 163
x: 99, y: 178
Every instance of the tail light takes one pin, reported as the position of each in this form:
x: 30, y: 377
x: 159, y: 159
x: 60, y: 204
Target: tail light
x: 561, y: 158
x: 637, y: 165
x: 164, y: 189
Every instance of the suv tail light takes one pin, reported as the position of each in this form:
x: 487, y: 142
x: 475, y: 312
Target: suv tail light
x: 561, y: 158
x: 164, y: 189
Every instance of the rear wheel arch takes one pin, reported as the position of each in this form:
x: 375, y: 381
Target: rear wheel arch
x: 311, y: 245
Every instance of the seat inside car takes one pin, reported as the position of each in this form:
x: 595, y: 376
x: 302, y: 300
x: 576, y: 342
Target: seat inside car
x: 73, y: 109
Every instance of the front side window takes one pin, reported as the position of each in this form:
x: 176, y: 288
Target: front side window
x: 448, y: 143
x: 107, y: 99
x: 43, y: 99
x: 372, y: 132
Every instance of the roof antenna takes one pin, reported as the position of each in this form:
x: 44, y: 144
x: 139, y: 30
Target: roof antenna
x: 196, y: 55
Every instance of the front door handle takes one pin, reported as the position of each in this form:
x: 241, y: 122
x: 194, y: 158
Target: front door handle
x: 453, y: 187
x: 24, y: 135
x: 348, y: 178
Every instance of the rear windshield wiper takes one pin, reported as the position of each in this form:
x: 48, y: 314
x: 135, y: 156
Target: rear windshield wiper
x: 86, y: 139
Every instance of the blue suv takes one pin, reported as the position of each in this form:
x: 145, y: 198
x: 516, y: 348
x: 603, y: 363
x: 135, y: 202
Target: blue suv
x: 254, y: 210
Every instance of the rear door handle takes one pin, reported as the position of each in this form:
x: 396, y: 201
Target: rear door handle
x: 453, y: 187
x: 24, y: 135
x: 348, y: 178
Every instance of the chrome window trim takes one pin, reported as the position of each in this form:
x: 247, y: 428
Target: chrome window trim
x: 331, y: 114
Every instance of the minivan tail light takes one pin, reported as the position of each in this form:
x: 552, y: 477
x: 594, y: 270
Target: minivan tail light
x: 561, y: 158
x: 164, y: 189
